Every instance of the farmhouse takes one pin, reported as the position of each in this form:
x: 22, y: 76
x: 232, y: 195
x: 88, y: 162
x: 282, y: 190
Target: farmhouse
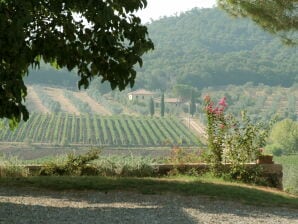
x: 168, y: 101
x: 141, y: 94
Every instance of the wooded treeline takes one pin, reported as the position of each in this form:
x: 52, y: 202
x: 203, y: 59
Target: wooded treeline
x: 206, y: 47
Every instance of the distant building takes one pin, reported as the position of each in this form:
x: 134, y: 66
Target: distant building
x: 140, y: 95
x: 168, y: 101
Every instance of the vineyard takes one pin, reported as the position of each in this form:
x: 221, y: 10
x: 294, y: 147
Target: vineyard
x: 121, y: 131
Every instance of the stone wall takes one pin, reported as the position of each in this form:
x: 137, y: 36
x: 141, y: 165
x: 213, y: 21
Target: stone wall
x: 272, y: 173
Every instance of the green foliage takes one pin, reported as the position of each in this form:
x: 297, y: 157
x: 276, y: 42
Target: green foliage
x: 151, y: 107
x: 216, y: 127
x: 11, y: 167
x: 246, y: 174
x: 285, y: 134
x: 185, y: 92
x: 244, y: 140
x: 48, y: 75
x: 75, y: 165
x: 290, y: 175
x: 179, y: 156
x: 126, y: 166
x: 276, y: 16
x: 262, y: 103
x: 162, y: 105
x: 274, y: 149
x: 213, y: 49
x: 192, y: 105
x: 91, y: 163
x: 232, y: 140
x: 109, y: 47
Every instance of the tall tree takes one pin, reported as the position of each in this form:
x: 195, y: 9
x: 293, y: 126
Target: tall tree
x: 151, y: 107
x: 285, y: 134
x: 276, y: 16
x: 96, y: 38
x: 162, y: 105
x: 192, y: 105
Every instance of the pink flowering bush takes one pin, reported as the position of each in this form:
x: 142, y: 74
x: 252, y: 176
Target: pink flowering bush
x: 239, y: 138
x: 216, y: 129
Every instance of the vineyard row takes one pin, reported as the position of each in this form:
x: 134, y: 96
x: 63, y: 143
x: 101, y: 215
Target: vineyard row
x: 67, y: 129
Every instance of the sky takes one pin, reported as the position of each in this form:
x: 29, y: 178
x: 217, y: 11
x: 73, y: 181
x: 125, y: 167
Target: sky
x: 159, y: 8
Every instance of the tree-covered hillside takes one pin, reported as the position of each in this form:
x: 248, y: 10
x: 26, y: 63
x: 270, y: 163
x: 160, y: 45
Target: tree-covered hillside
x: 48, y: 75
x: 206, y: 47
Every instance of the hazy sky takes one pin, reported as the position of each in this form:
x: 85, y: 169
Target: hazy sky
x: 159, y: 8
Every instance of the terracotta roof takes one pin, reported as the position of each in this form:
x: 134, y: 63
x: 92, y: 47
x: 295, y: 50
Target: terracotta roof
x: 168, y: 100
x: 141, y: 92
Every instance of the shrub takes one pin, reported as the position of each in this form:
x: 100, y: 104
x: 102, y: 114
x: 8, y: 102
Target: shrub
x: 274, y: 149
x: 11, y: 167
x: 74, y: 165
x: 216, y: 128
x: 245, y: 174
x: 180, y: 155
x: 237, y: 141
x: 126, y: 166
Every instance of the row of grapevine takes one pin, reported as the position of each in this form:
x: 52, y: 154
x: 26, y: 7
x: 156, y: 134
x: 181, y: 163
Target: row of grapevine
x: 121, y: 131
x: 48, y: 101
x: 81, y: 106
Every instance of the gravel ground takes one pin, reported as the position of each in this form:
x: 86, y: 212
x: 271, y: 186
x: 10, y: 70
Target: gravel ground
x: 32, y: 206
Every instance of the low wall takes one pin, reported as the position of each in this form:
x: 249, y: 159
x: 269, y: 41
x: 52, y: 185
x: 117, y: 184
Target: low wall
x: 272, y: 173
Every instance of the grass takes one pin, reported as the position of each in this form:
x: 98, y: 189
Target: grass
x: 122, y: 167
x: 290, y: 174
x: 195, y: 186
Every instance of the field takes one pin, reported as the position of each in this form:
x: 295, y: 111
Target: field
x: 62, y: 129
x: 290, y: 174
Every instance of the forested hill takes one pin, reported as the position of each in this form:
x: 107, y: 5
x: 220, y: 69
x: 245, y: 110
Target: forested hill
x: 47, y: 75
x: 204, y: 47
x: 207, y: 47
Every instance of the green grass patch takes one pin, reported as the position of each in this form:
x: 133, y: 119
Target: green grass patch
x: 212, y: 187
x: 290, y: 174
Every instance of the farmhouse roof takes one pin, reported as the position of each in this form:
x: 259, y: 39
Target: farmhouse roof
x: 141, y: 92
x: 168, y: 100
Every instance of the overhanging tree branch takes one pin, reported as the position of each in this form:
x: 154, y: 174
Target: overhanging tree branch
x: 109, y: 46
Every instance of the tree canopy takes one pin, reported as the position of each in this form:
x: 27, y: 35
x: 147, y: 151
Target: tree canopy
x: 285, y: 134
x: 95, y: 38
x: 276, y: 16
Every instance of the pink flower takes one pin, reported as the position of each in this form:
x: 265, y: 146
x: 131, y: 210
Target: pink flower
x: 223, y: 102
x: 209, y: 108
x: 217, y: 111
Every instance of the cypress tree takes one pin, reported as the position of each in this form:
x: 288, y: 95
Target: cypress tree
x: 192, y: 105
x: 151, y: 107
x: 162, y: 105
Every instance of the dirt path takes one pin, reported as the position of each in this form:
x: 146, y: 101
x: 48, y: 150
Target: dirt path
x: 195, y: 125
x: 58, y: 95
x: 95, y: 106
x: 54, y: 207
x: 33, y: 97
